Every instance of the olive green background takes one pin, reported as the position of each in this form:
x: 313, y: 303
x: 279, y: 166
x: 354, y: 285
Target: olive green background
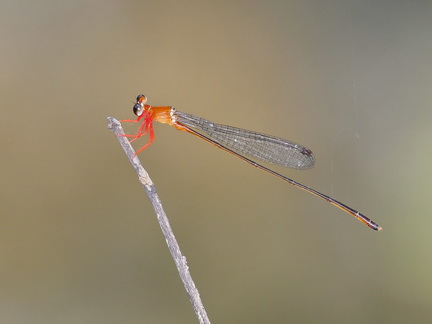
x: 351, y: 80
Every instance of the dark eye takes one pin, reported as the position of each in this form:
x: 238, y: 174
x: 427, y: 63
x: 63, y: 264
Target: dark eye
x: 139, y: 97
x: 137, y: 109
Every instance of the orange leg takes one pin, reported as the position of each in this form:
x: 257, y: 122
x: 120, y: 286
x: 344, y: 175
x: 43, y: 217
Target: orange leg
x: 145, y: 128
x: 151, y: 138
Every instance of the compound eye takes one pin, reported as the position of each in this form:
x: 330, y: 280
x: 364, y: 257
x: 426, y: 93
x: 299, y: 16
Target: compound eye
x: 138, y: 109
x: 141, y: 99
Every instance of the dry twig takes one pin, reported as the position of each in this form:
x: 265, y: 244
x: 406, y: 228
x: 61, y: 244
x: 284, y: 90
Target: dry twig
x: 180, y: 260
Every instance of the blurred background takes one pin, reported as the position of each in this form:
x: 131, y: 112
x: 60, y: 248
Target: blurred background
x: 351, y: 80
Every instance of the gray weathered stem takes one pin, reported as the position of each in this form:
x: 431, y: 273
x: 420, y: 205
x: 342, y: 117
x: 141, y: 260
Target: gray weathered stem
x: 180, y: 260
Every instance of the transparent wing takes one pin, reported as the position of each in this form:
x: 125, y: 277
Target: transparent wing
x: 255, y: 145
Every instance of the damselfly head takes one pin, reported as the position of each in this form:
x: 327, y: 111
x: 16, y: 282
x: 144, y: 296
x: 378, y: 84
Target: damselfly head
x: 138, y: 108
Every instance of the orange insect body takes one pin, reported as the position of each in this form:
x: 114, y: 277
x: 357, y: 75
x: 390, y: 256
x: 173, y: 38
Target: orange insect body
x: 150, y: 114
